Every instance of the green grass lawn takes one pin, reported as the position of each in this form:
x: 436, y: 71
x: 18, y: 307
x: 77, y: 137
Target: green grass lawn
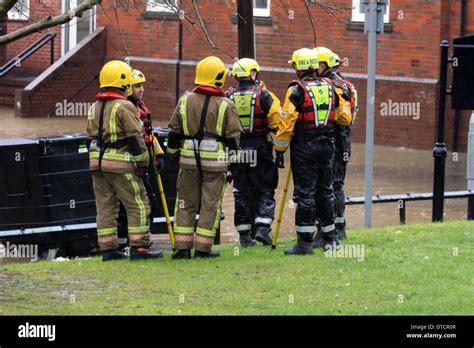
x: 413, y: 269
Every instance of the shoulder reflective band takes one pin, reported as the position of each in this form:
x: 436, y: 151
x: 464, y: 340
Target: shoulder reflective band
x: 182, y: 110
x: 321, y: 95
x: 113, y: 123
x: 356, y: 106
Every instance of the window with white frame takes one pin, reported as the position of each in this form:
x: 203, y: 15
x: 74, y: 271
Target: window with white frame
x: 261, y: 8
x: 358, y: 14
x: 162, y: 6
x: 20, y: 11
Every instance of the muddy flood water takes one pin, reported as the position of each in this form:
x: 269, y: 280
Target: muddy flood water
x: 397, y: 171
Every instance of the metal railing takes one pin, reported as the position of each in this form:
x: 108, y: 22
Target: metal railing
x: 401, y: 199
x: 16, y: 61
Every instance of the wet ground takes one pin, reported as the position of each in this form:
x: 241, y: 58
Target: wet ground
x: 397, y: 170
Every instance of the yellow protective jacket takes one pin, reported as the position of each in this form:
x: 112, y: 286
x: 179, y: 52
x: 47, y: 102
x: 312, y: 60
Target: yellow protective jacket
x: 289, y: 116
x: 274, y: 115
x: 122, y: 135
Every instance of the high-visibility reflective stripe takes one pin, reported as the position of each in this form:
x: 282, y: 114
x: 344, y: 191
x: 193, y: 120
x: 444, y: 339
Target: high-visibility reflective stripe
x: 139, y: 229
x: 328, y: 228
x: 138, y: 199
x: 113, y: 123
x: 122, y: 240
x: 243, y: 227
x: 204, y: 232
x: 106, y: 231
x: 182, y: 111
x: 203, y: 154
x: 126, y: 157
x: 356, y: 104
x: 175, y: 222
x: 220, y: 118
x: 280, y: 142
x: 260, y: 220
x: 339, y: 220
x: 141, y: 157
x: 305, y: 229
x: 219, y: 208
x: 180, y: 229
x: 172, y: 151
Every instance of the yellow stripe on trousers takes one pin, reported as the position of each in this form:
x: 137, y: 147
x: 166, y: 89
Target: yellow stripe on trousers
x: 138, y: 199
x: 219, y: 207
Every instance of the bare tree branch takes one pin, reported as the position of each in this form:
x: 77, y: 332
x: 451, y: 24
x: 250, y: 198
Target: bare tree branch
x: 6, y: 6
x: 203, y: 25
x: 48, y: 22
x: 120, y: 28
x: 312, y: 24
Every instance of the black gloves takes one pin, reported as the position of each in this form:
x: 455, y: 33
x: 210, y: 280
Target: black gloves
x: 231, y: 171
x: 280, y: 159
x: 160, y: 163
x: 140, y: 172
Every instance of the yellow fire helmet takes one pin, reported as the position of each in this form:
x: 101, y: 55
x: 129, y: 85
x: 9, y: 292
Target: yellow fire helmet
x: 211, y: 71
x: 244, y: 66
x: 337, y: 60
x: 326, y: 55
x: 115, y: 74
x: 137, y: 77
x: 304, y: 59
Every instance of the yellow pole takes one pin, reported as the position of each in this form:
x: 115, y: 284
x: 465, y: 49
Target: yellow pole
x: 282, y: 206
x: 165, y: 208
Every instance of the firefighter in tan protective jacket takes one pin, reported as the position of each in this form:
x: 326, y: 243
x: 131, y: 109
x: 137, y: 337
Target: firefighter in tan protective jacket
x: 204, y: 130
x: 118, y: 159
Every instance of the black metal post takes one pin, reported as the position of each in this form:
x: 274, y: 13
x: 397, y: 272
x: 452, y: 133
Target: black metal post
x: 470, y: 208
x: 245, y: 29
x: 439, y: 151
x: 180, y: 58
x: 402, y: 211
x: 457, y: 113
x: 52, y: 51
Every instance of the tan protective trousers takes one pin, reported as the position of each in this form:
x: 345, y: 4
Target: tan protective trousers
x: 190, y: 192
x: 109, y: 189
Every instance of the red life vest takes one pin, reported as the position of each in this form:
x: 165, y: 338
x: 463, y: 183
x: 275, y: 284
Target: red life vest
x: 145, y: 119
x: 252, y: 118
x: 319, y: 107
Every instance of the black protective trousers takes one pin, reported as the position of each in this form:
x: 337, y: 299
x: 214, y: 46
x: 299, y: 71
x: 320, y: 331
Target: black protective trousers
x: 341, y: 158
x: 312, y: 157
x: 255, y: 184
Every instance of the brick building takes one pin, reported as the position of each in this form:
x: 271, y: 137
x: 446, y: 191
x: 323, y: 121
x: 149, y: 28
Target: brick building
x: 148, y: 35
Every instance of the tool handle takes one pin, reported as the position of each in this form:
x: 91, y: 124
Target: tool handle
x: 282, y: 206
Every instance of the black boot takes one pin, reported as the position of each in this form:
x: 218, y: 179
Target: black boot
x: 113, y: 255
x: 203, y: 254
x: 122, y: 247
x: 181, y: 254
x: 330, y: 241
x: 263, y: 235
x: 246, y: 240
x: 341, y: 232
x: 302, y: 247
x: 318, y: 240
x: 145, y: 253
